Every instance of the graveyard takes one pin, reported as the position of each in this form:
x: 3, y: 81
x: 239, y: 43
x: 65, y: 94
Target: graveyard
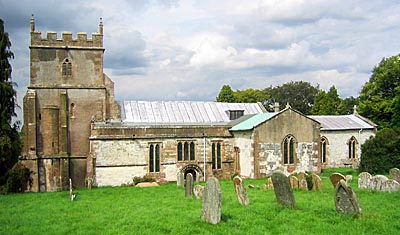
x: 168, y: 209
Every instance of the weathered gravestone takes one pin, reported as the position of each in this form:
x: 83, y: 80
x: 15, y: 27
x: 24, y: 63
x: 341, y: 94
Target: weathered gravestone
x: 198, y: 191
x: 179, y: 179
x: 377, y: 182
x: 395, y: 174
x: 270, y: 184
x: 189, y: 185
x: 294, y: 181
x: 212, y: 201
x: 346, y: 200
x: 283, y: 189
x: 240, y: 191
x: 364, y: 180
x: 390, y: 186
x: 335, y: 178
x: 303, y: 180
x: 317, y: 182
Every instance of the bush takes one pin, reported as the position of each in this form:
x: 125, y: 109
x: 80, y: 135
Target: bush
x: 146, y: 178
x: 18, y: 179
x: 381, y: 153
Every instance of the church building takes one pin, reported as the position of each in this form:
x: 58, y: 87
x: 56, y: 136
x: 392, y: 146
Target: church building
x: 73, y: 128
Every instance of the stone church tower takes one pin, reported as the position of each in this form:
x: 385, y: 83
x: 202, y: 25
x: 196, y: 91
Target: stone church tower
x: 68, y: 90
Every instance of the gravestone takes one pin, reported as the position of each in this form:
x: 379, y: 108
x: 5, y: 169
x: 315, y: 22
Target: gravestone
x: 283, y: 189
x: 212, y: 201
x: 364, y: 180
x: 349, y: 178
x: 198, y: 191
x: 264, y: 186
x: 270, y: 184
x: 294, y: 181
x: 335, y: 178
x: 390, y: 186
x: 303, y: 180
x: 179, y: 179
x: 317, y: 182
x: 189, y: 185
x: 377, y: 182
x: 395, y: 174
x: 346, y: 200
x: 240, y: 190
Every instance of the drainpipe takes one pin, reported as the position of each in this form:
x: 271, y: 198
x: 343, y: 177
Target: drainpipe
x: 204, y: 156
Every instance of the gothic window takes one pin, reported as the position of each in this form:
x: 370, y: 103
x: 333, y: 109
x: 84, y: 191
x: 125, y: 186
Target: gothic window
x: 216, y: 155
x: 352, y: 147
x: 154, y: 158
x: 324, y: 145
x: 289, y: 150
x: 186, y: 151
x: 66, y: 68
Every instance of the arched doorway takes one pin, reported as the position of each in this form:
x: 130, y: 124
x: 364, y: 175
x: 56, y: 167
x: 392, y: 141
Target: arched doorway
x: 194, y: 169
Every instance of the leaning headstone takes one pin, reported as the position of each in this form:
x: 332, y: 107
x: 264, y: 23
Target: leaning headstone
x: 395, y: 174
x: 179, y: 179
x: 189, y: 185
x: 212, y: 201
x: 283, y: 189
x: 377, y: 182
x: 335, y: 178
x: 346, y: 200
x: 303, y: 180
x: 240, y: 190
x: 270, y: 184
x: 390, y: 186
x: 198, y: 191
x: 317, y: 182
x: 364, y: 180
x: 294, y: 181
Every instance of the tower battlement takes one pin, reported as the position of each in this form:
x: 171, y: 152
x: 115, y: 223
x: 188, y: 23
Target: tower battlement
x: 66, y: 40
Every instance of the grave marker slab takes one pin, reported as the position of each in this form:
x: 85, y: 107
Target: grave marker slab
x: 395, y: 174
x: 179, y: 179
x: 198, y: 191
x: 283, y: 189
x: 335, y: 178
x: 390, y: 186
x: 212, y: 201
x: 364, y: 180
x: 346, y: 200
x: 303, y: 180
x: 270, y: 184
x: 377, y: 182
x: 317, y: 182
x: 240, y: 191
x: 294, y: 181
x: 189, y: 185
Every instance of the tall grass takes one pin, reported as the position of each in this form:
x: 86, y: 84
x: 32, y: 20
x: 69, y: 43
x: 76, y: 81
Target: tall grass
x: 166, y: 210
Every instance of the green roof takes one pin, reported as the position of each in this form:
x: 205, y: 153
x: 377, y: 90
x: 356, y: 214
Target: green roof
x: 252, y: 122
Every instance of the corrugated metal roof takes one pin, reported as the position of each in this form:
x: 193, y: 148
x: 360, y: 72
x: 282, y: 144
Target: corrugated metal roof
x: 253, y: 121
x: 342, y: 122
x: 183, y: 111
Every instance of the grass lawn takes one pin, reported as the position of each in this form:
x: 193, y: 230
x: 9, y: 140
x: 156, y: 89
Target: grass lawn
x: 166, y: 210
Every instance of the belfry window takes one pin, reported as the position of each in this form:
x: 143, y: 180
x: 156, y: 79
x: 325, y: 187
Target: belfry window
x: 289, y: 152
x: 66, y: 68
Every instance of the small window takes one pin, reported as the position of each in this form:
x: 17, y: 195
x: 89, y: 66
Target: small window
x: 216, y: 161
x: 67, y: 68
x: 289, y: 150
x: 186, y: 151
x: 324, y: 144
x: 154, y: 158
x: 352, y: 147
x: 235, y: 114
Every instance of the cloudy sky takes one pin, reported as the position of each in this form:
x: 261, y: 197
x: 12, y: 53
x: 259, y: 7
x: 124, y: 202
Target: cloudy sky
x: 187, y: 50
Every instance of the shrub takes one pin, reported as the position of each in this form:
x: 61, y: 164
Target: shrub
x: 146, y: 178
x: 381, y: 153
x: 18, y: 179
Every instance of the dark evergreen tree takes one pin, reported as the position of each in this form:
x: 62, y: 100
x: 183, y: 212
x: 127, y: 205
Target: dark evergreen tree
x: 10, y: 142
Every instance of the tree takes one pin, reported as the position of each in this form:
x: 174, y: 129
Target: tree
x: 226, y: 95
x: 300, y: 95
x: 379, y: 95
x: 10, y: 142
x: 250, y: 95
x: 382, y: 152
x: 328, y: 103
x: 349, y: 104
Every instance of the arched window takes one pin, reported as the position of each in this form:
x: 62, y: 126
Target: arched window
x: 289, y: 150
x: 180, y: 151
x: 192, y: 152
x: 154, y: 158
x: 352, y: 147
x: 66, y: 68
x: 186, y: 151
x: 216, y: 161
x: 323, y: 149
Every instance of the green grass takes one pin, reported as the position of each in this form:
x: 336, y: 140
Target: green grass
x: 166, y: 210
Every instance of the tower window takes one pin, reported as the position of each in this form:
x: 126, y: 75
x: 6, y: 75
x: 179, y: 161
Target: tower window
x: 67, y: 68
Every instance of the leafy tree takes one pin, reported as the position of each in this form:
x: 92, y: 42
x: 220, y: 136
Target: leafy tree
x: 226, y: 95
x: 349, y: 103
x: 10, y: 142
x: 328, y: 103
x: 300, y: 95
x: 379, y: 95
x: 382, y: 152
x: 250, y: 95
